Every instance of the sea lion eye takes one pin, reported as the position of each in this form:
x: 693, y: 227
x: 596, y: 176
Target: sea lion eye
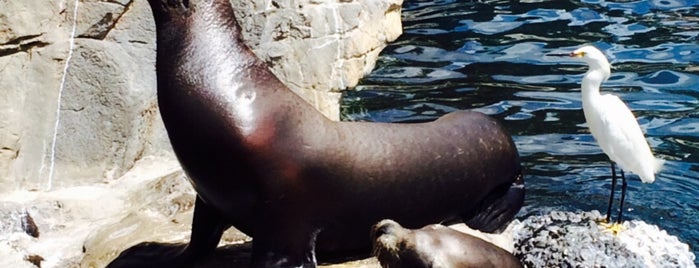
x: 381, y: 231
x: 178, y: 4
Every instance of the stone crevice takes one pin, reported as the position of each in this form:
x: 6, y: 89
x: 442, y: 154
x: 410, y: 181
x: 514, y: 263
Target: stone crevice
x: 107, y: 23
x: 138, y: 42
x: 11, y: 152
x: 22, y: 44
x: 77, y: 110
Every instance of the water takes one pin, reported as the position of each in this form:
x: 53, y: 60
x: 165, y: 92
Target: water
x: 491, y: 56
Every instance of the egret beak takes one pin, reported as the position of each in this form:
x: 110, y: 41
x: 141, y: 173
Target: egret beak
x: 577, y: 54
x: 571, y: 54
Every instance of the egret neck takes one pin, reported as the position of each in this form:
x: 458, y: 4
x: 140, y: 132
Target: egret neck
x: 598, y: 73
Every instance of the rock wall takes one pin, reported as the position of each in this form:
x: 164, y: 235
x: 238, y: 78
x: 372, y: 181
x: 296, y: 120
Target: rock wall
x: 95, y: 122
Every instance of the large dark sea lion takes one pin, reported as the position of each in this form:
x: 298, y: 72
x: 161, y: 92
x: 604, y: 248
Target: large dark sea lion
x: 435, y: 246
x: 266, y: 162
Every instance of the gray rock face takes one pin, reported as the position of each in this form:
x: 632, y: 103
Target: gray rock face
x: 95, y: 122
x: 102, y: 111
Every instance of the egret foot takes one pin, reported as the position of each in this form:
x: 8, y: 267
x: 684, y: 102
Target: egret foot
x: 603, y: 221
x: 614, y: 228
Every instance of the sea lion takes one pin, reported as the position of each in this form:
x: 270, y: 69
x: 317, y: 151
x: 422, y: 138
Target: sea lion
x: 435, y: 246
x: 263, y: 160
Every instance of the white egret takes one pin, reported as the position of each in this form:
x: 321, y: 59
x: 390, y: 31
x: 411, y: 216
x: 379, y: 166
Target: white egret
x: 614, y: 127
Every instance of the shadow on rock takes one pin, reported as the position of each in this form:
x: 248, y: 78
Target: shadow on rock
x: 234, y: 255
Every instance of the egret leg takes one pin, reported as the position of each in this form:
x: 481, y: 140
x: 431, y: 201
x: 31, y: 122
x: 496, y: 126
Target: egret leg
x: 623, y: 196
x: 611, y: 196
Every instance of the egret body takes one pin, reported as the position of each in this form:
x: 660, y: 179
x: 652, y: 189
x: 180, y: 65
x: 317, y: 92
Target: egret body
x: 613, y: 126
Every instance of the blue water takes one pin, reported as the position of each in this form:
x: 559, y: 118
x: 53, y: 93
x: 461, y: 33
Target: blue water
x: 491, y: 56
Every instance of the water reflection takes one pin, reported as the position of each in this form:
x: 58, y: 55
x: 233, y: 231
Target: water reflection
x: 494, y: 57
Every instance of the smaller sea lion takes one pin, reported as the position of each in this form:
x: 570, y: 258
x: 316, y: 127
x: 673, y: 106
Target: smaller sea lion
x: 435, y: 246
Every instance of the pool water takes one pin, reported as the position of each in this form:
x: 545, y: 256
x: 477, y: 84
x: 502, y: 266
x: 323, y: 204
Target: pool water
x: 491, y: 56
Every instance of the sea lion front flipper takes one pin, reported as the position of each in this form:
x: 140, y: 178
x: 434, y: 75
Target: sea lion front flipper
x: 283, y: 240
x: 498, y: 209
x: 206, y: 233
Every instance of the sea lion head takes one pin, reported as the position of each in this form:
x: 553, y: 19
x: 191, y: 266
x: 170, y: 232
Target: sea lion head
x: 167, y: 8
x: 393, y: 245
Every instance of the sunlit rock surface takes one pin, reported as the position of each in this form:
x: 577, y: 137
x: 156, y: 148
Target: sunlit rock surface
x: 152, y: 194
x: 567, y: 239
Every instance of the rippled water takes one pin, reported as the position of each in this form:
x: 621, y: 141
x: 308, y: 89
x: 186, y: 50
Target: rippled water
x: 492, y: 56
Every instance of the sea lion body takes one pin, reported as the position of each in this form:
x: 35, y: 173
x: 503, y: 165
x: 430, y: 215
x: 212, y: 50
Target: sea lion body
x: 265, y: 161
x: 435, y: 246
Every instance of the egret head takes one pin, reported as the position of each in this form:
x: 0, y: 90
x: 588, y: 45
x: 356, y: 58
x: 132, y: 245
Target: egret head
x: 594, y: 58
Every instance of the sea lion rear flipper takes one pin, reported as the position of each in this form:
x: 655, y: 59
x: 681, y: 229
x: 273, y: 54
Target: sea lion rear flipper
x: 498, y: 209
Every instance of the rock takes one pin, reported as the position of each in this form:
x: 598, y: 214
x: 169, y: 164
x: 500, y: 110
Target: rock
x: 85, y: 226
x: 92, y: 125
x: 568, y: 239
x: 15, y: 218
x: 28, y: 225
x: 34, y: 259
x: 103, y: 113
